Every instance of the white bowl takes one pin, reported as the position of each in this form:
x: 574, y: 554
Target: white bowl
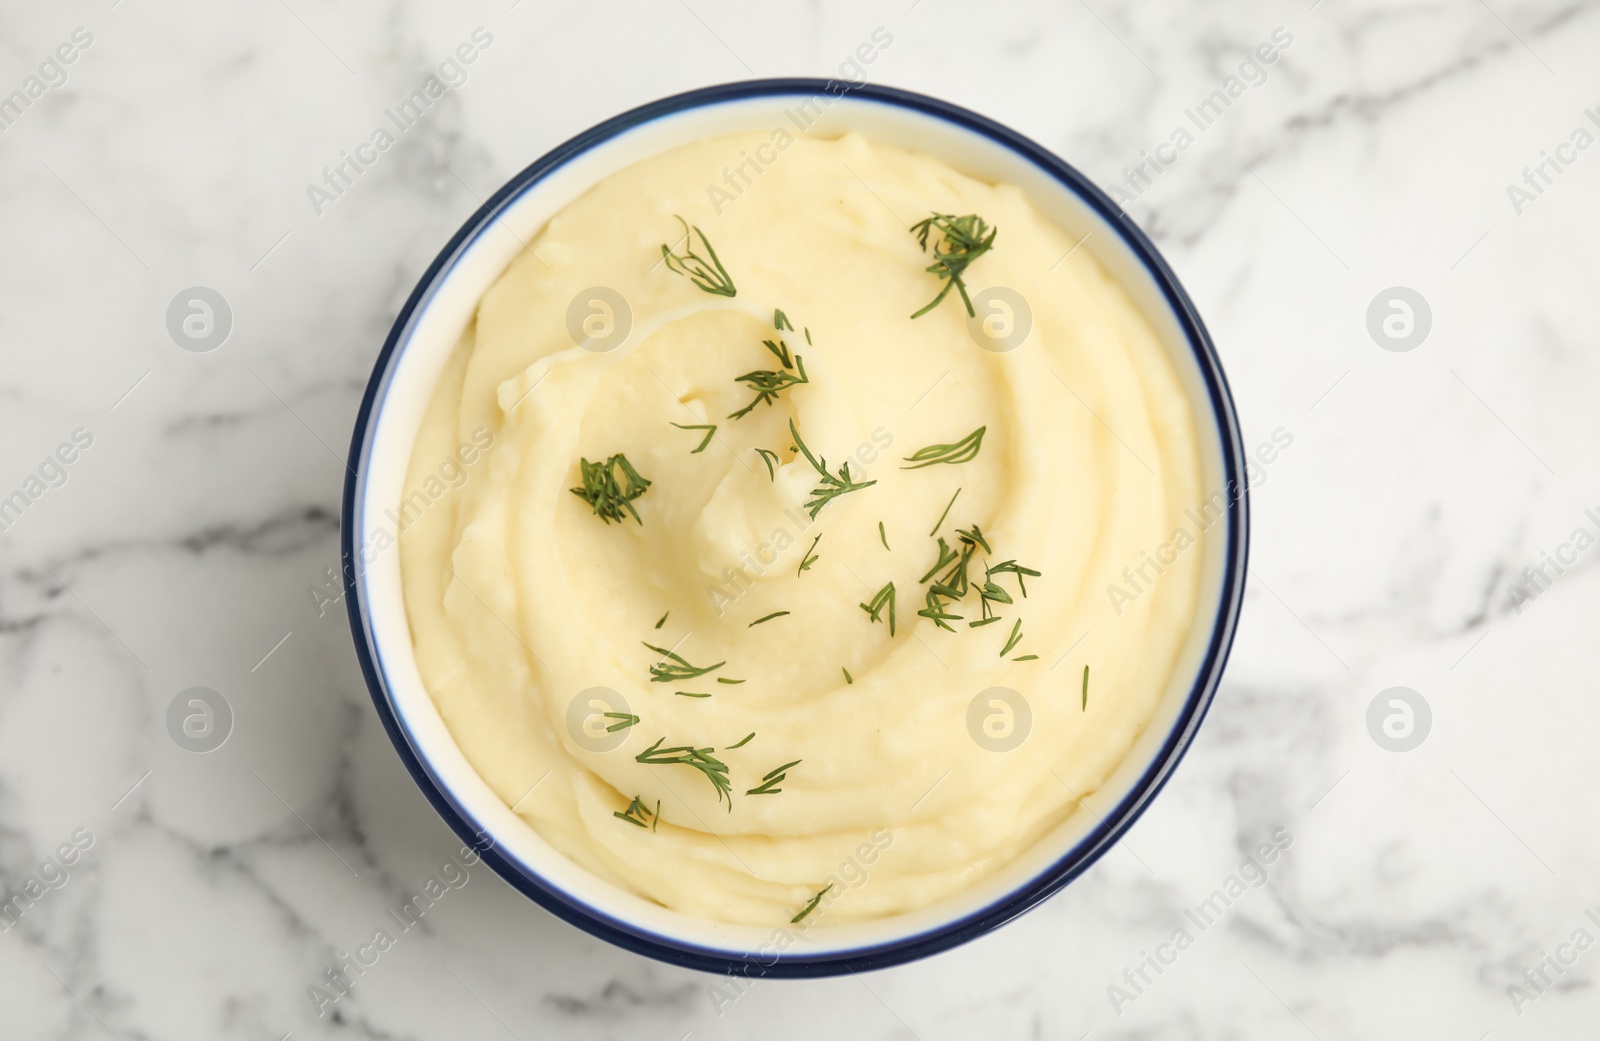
x: 429, y: 326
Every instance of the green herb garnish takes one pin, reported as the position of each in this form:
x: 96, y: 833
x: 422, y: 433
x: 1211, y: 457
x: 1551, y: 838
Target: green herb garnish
x: 746, y: 739
x: 661, y: 672
x: 780, y: 321
x: 709, y: 428
x: 715, y: 770
x: 1086, y: 688
x: 883, y: 598
x: 724, y: 679
x: 1026, y: 657
x: 846, y: 672
x: 935, y: 611
x: 1011, y: 567
x: 766, y: 618
x: 773, y: 777
x: 605, y: 494
x: 810, y: 557
x: 709, y: 275
x: 962, y: 451
x: 637, y: 811
x: 831, y: 487
x: 965, y: 239
x: 628, y: 720
x: 663, y: 620
x: 812, y: 906
x: 883, y: 536
x: 689, y: 694
x: 943, y: 515
x: 1013, y: 640
x: 769, y: 383
x: 772, y: 461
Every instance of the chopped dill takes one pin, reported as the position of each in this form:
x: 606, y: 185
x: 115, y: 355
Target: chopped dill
x: 883, y: 598
x: 965, y: 239
x: 831, y: 487
x: 628, y: 719
x: 810, y: 557
x: 772, y: 461
x: 774, y: 777
x: 709, y: 428
x: 766, y: 618
x: 605, y: 494
x: 706, y: 272
x: 962, y: 451
x: 714, y: 769
x: 661, y: 672
x: 812, y: 906
x: 746, y: 739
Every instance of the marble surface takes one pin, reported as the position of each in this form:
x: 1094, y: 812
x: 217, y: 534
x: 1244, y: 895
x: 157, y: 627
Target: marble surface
x: 206, y: 893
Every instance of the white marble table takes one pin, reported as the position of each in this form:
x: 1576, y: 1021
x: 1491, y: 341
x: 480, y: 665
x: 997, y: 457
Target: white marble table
x: 206, y: 893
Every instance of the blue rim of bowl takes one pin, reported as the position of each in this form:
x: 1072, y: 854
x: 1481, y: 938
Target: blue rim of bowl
x: 1112, y: 825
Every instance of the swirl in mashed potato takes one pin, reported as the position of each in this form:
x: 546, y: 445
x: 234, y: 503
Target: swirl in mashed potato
x: 522, y: 600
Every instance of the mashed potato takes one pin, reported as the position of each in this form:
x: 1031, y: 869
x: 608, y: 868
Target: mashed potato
x: 742, y: 592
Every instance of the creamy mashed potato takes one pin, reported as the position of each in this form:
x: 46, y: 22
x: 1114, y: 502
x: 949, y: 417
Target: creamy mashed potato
x: 523, y: 601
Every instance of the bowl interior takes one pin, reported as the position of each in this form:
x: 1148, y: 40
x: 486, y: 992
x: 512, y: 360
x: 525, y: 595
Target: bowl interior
x: 424, y: 338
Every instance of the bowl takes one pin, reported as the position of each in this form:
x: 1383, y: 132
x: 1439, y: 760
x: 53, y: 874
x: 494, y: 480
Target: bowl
x: 440, y: 307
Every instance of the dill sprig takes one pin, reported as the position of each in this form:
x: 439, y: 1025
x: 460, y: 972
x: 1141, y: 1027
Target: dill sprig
x: 847, y: 676
x: 1026, y: 657
x: 724, y: 679
x: 962, y: 451
x: 628, y: 719
x: 812, y: 906
x: 809, y: 558
x: 831, y: 487
x: 883, y: 598
x: 766, y: 618
x: 607, y: 496
x: 743, y: 741
x: 938, y: 524
x: 965, y: 239
x: 689, y: 694
x: 663, y: 620
x: 780, y: 321
x: 1085, y: 688
x: 637, y: 813
x: 769, y: 383
x: 709, y: 428
x: 883, y: 536
x: 935, y: 612
x: 708, y: 274
x: 1014, y: 639
x: 714, y: 769
x: 768, y: 785
x: 772, y: 461
x: 1011, y: 567
x: 678, y: 669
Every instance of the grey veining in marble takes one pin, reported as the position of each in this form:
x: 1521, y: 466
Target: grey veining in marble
x: 1439, y: 892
